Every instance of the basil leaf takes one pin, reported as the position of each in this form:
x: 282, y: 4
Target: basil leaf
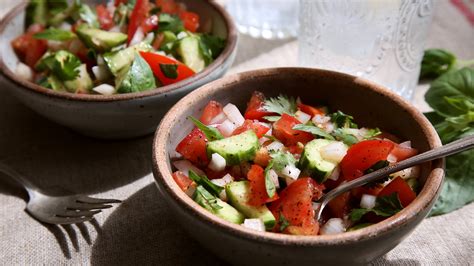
x: 269, y: 185
x: 55, y: 35
x: 206, y: 183
x: 210, y: 132
x: 436, y: 62
x: 453, y: 85
x: 283, y: 222
x: 314, y: 130
x: 169, y: 70
x: 139, y: 77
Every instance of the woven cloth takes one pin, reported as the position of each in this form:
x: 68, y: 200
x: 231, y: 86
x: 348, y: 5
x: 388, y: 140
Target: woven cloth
x: 142, y: 230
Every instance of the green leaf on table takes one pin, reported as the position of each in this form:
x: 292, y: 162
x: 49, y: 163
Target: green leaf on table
x: 206, y: 183
x: 55, y: 35
x: 385, y: 206
x: 169, y: 70
x: 436, y: 62
x: 314, y: 130
x: 211, y: 132
x: 269, y: 185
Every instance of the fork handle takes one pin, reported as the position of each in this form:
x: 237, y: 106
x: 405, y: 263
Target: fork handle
x: 8, y: 171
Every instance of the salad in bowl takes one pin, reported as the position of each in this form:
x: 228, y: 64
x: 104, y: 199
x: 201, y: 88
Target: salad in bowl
x: 264, y: 167
x: 122, y: 46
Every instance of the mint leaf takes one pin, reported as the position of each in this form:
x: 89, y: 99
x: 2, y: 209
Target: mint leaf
x: 340, y: 119
x: 206, y: 199
x: 206, y: 183
x: 436, y: 62
x: 210, y: 132
x: 169, y: 70
x: 283, y: 222
x: 314, y: 130
x: 280, y: 105
x: 269, y: 185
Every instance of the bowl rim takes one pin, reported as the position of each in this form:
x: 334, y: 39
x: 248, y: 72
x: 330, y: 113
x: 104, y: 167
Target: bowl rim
x: 162, y: 172
x: 229, y: 49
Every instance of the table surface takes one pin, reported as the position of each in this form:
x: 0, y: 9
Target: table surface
x: 141, y: 230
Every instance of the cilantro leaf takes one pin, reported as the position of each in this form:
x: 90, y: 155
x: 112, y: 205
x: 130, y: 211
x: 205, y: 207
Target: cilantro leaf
x: 64, y: 65
x: 269, y: 185
x: 206, y: 183
x: 340, y: 119
x: 211, y: 46
x: 281, y: 159
x: 55, y: 35
x: 283, y: 222
x: 206, y: 199
x: 280, y: 105
x: 169, y: 70
x: 345, y: 137
x: 385, y: 206
x: 210, y: 132
x: 314, y: 130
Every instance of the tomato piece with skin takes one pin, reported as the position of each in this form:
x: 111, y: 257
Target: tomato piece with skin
x: 190, y: 20
x: 137, y: 17
x: 211, y: 110
x: 373, y: 190
x: 168, y: 6
x: 402, y: 153
x: 310, y: 110
x: 105, y: 18
x: 183, y: 181
x: 255, y: 108
x: 284, y: 132
x: 399, y: 186
x: 193, y: 147
x: 258, y: 191
x: 154, y: 60
x: 361, y: 156
x: 28, y: 48
x: 295, y: 204
x: 256, y: 126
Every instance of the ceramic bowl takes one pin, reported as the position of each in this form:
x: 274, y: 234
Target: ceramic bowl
x: 122, y: 115
x: 370, y: 104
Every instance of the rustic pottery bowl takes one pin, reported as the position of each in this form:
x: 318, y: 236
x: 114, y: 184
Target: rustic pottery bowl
x: 117, y: 116
x: 370, y: 104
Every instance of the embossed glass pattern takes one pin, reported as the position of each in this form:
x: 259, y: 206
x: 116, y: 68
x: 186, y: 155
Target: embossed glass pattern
x: 379, y: 40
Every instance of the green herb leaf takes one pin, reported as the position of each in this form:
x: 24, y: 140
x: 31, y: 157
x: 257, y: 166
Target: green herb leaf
x: 314, y: 130
x: 436, y: 62
x: 206, y: 199
x: 372, y: 133
x: 280, y: 105
x: 64, y: 65
x: 345, y: 137
x: 283, y: 222
x: 269, y: 185
x: 281, y: 159
x: 385, y: 206
x: 36, y: 13
x: 210, y: 132
x: 357, y: 214
x: 139, y: 77
x: 169, y: 70
x: 206, y: 183
x: 211, y: 47
x: 340, y: 119
x: 167, y: 22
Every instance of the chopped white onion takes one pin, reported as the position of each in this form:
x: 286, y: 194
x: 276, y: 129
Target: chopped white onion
x: 334, y: 151
x: 274, y: 177
x: 104, y: 89
x: 217, y: 162
x: 275, y: 146
x: 218, y: 118
x: 406, y: 144
x: 185, y: 165
x: 392, y: 158
x: 316, y: 205
x: 302, y: 117
x: 137, y: 37
x: 320, y: 119
x: 226, y: 128
x: 24, y: 71
x: 255, y: 224
x: 333, y: 226
x: 367, y: 201
x: 335, y: 173
x: 233, y: 114
x: 412, y: 172
x: 101, y: 72
x: 291, y: 171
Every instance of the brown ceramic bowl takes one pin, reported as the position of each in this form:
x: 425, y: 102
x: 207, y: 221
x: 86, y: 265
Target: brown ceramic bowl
x: 371, y: 105
x: 122, y: 115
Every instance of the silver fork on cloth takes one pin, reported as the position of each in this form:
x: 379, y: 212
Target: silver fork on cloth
x: 69, y: 209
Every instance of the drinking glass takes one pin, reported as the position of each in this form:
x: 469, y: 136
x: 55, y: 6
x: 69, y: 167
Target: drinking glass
x: 382, y: 41
x: 268, y: 19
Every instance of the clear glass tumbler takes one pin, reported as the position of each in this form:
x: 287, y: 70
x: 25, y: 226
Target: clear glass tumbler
x: 268, y: 19
x: 382, y: 41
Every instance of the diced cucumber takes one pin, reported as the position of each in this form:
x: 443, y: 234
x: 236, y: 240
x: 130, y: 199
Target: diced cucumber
x: 190, y: 52
x: 219, y: 208
x: 82, y: 83
x: 100, y: 40
x: 117, y: 61
x: 235, y: 149
x: 311, y: 162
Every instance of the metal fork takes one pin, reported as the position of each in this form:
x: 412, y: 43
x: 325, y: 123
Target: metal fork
x: 58, y: 209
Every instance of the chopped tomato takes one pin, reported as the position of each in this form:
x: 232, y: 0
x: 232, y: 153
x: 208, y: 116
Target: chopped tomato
x: 183, y: 181
x: 373, y: 190
x: 154, y: 60
x: 105, y: 18
x: 312, y: 111
x: 361, y: 156
x: 339, y: 206
x: 296, y: 149
x: 262, y: 157
x: 211, y: 110
x: 284, y: 132
x: 258, y: 191
x: 255, y: 107
x: 190, y: 20
x: 399, y: 186
x: 295, y: 204
x: 28, y: 48
x: 137, y: 17
x: 256, y: 126
x: 149, y: 24
x: 168, y: 6
x: 193, y: 147
x: 402, y: 153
